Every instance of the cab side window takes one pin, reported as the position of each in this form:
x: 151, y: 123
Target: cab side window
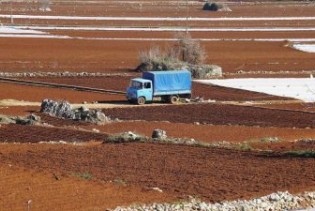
x: 147, y: 85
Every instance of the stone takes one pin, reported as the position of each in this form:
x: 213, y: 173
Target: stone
x: 159, y: 134
x: 63, y: 109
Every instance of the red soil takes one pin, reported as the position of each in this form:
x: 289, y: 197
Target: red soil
x: 217, y: 114
x: 298, y: 146
x: 35, y: 134
x: 163, y: 9
x: 18, y: 110
x: 44, y: 173
x: 182, y: 170
x: 309, y: 107
x: 208, y: 133
x: 57, y: 191
x: 37, y: 94
x: 111, y: 56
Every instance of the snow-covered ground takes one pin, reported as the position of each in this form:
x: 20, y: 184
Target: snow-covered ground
x: 12, y: 30
x: 309, y: 48
x: 104, y: 18
x: 171, y: 29
x: 34, y: 32
x: 298, y: 88
x: 26, y: 33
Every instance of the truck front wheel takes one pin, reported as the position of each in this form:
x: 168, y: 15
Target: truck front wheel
x: 141, y: 101
x: 173, y: 99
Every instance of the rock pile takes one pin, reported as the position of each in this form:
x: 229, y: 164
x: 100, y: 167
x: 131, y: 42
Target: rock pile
x: 32, y: 119
x: 28, y: 120
x: 275, y: 201
x: 63, y: 109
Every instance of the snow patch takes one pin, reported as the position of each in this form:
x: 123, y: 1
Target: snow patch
x: 12, y: 30
x: 167, y: 29
x: 298, y: 88
x: 25, y: 32
x: 104, y: 18
x: 309, y: 48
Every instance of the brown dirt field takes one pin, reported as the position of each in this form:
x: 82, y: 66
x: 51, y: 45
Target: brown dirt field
x: 35, y: 134
x: 163, y: 8
x: 208, y: 133
x: 79, y: 132
x: 54, y: 191
x: 196, y: 35
x: 182, y: 170
x: 111, y: 56
x: 122, y: 174
x: 299, y: 146
x: 18, y: 110
x: 217, y: 114
x: 37, y: 94
x: 308, y: 107
x: 161, y: 23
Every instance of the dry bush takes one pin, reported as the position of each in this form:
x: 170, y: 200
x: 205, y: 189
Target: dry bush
x: 190, y: 50
x: 152, y: 54
x: 185, y: 54
x: 186, y: 50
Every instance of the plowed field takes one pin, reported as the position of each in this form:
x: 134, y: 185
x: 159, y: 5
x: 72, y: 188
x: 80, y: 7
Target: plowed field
x: 217, y: 114
x: 212, y: 174
x: 35, y: 134
x: 264, y: 140
x: 112, y: 57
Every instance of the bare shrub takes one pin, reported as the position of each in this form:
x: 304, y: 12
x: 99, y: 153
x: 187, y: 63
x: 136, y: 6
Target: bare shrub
x: 152, y: 54
x: 190, y: 49
x: 157, y: 60
x: 187, y: 53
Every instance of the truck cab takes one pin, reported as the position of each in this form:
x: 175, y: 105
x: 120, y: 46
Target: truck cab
x: 140, y: 91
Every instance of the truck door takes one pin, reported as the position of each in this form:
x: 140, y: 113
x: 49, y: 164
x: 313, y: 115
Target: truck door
x: 148, y: 91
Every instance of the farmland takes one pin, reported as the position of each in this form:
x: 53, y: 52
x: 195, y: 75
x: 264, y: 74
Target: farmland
x: 246, y: 144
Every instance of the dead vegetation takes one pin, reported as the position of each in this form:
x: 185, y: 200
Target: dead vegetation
x: 186, y: 53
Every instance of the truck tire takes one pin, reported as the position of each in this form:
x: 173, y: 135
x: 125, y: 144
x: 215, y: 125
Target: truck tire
x: 173, y: 99
x: 141, y: 101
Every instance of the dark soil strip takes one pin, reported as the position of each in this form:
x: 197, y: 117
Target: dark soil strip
x: 34, y: 134
x: 217, y: 114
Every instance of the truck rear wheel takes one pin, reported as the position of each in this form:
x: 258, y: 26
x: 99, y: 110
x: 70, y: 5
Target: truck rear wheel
x: 173, y: 99
x: 141, y: 101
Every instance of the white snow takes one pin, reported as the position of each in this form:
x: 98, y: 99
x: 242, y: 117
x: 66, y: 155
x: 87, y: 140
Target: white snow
x: 104, y: 18
x: 33, y: 32
x: 161, y: 29
x: 12, y: 30
x: 298, y: 88
x: 34, y: 36
x: 309, y: 48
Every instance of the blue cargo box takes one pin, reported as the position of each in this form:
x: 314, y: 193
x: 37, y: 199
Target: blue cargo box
x: 169, y: 82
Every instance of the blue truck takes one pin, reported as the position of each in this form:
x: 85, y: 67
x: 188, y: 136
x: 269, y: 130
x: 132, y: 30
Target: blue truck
x: 169, y: 86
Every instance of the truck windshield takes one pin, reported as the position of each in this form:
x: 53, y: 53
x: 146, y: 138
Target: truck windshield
x: 136, y: 84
